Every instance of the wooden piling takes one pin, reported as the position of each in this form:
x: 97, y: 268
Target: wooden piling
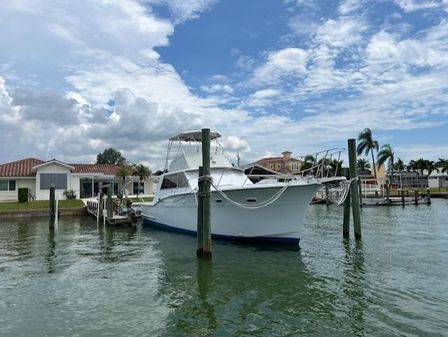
x: 416, y: 197
x: 52, y: 205
x: 327, y: 198
x: 109, y: 204
x: 428, y: 196
x: 346, y: 223
x: 200, y: 227
x: 388, y: 193
x: 354, y: 188
x: 402, y: 197
x: 206, y: 214
x: 360, y: 193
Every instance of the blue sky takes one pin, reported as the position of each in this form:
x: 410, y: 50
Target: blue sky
x: 77, y: 77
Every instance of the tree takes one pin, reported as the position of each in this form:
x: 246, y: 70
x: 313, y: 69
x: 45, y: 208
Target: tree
x: 143, y: 172
x: 123, y: 171
x: 442, y: 163
x: 399, y: 165
x: 308, y: 163
x: 330, y: 167
x: 362, y: 164
x: 386, y: 154
x: 110, y: 156
x: 430, y: 166
x: 367, y: 145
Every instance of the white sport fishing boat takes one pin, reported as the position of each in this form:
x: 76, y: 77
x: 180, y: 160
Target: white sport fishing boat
x: 270, y: 211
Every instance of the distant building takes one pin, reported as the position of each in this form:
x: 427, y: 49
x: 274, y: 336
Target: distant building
x: 285, y: 164
x: 438, y: 179
x: 83, y: 179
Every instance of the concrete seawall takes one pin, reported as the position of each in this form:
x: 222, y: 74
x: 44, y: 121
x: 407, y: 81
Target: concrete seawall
x: 40, y: 213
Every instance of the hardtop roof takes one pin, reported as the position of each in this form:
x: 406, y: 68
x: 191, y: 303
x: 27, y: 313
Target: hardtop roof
x: 193, y: 136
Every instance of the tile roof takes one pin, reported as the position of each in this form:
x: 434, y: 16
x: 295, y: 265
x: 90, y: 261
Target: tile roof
x: 20, y: 168
x: 24, y: 168
x: 106, y: 169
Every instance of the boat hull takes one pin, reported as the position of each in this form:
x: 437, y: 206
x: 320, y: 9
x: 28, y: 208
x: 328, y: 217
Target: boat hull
x: 278, y: 222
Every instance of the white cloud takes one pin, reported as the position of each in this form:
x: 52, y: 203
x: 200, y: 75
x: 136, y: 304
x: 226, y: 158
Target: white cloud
x: 413, y: 5
x: 183, y: 10
x: 262, y: 97
x: 383, y: 48
x: 349, y: 6
x: 216, y: 88
x: 284, y: 62
x: 340, y: 33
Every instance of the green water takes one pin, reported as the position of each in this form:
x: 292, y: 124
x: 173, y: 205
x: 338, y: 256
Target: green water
x: 81, y: 281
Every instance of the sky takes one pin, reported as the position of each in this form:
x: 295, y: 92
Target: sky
x: 77, y: 77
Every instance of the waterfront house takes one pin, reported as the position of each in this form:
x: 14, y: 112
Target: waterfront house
x: 438, y: 179
x: 285, y: 164
x: 83, y: 179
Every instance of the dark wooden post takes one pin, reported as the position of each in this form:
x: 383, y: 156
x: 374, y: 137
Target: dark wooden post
x: 360, y: 192
x: 416, y: 197
x: 354, y: 188
x: 346, y: 223
x: 388, y: 193
x: 200, y: 224
x: 402, y: 197
x: 109, y: 204
x: 52, y: 205
x: 428, y: 196
x: 206, y: 214
x: 327, y: 199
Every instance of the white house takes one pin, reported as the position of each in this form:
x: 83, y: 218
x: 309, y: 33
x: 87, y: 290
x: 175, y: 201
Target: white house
x: 438, y: 179
x: 83, y: 179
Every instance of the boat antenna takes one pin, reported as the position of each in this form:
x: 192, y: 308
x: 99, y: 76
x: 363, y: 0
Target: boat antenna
x: 170, y: 144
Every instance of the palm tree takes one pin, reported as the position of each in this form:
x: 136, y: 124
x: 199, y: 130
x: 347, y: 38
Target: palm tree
x: 442, y: 163
x: 362, y: 164
x: 412, y: 166
x: 386, y: 154
x: 367, y: 144
x: 308, y: 162
x: 430, y: 166
x: 122, y: 172
x: 399, y: 165
x: 143, y: 172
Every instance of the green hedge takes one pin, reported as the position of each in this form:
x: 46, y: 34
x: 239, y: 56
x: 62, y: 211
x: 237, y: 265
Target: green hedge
x: 23, y: 194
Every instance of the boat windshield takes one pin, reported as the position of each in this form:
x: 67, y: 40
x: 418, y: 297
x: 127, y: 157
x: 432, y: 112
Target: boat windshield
x: 188, y: 155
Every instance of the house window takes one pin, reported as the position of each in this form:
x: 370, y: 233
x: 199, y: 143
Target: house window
x: 138, y: 185
x: 7, y: 185
x: 58, y: 179
x: 174, y: 181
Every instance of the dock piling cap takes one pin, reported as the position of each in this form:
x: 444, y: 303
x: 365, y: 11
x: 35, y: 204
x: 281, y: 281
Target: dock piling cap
x: 193, y: 136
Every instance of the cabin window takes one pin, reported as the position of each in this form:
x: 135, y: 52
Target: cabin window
x: 176, y: 180
x: 58, y: 179
x: 7, y: 185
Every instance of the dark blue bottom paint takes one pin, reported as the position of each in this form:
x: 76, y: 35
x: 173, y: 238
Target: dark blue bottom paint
x: 256, y: 239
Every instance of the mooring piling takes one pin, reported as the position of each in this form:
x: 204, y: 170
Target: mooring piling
x: 52, y: 205
x: 200, y: 227
x: 388, y: 193
x: 346, y: 223
x: 428, y: 196
x: 207, y: 249
x: 204, y: 234
x: 402, y: 197
x: 354, y: 188
x: 416, y: 197
x: 109, y: 205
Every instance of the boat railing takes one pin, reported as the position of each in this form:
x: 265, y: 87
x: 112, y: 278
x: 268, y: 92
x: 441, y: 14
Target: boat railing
x: 322, y: 164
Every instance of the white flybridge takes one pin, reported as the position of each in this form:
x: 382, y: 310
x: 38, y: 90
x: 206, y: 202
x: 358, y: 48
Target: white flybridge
x: 271, y: 211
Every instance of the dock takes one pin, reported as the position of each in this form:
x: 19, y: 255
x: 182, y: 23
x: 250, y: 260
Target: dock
x: 99, y: 211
